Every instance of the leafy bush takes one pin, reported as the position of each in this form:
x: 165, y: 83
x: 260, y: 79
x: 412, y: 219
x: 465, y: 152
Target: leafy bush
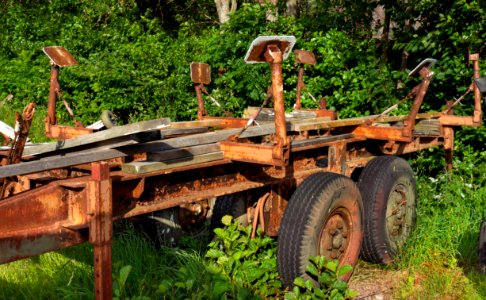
x: 249, y: 263
x: 327, y: 274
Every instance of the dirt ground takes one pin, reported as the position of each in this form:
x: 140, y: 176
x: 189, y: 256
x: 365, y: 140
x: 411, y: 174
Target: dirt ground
x: 375, y: 283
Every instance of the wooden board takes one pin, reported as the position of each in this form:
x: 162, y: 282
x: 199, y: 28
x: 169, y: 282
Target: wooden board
x: 315, y: 124
x: 141, y: 167
x: 182, y: 152
x: 91, y: 155
x: 100, y: 137
x: 427, y: 127
x: 297, y: 145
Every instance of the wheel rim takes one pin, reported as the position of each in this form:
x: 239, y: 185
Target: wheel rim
x: 399, y: 213
x: 192, y: 216
x: 335, y: 236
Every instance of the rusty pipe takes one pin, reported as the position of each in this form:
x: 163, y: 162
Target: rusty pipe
x: 273, y: 56
x: 300, y: 85
x: 477, y: 93
x: 53, y: 89
x: 201, y: 112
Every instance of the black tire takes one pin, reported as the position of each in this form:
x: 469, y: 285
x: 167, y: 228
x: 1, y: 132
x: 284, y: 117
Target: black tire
x: 323, y: 217
x: 108, y: 119
x: 482, y: 247
x: 234, y: 205
x: 167, y: 227
x: 388, y: 190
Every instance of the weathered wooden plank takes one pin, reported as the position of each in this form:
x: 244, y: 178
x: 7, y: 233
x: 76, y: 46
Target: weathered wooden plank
x: 99, y: 137
x: 169, y: 131
x: 315, y: 124
x: 295, y: 145
x: 267, y: 114
x: 60, y: 161
x: 427, y: 127
x: 190, y: 124
x: 90, y: 155
x: 182, y: 152
x: 141, y: 167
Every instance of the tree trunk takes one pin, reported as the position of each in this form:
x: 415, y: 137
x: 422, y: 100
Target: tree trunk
x: 271, y: 14
x: 292, y: 9
x: 224, y: 8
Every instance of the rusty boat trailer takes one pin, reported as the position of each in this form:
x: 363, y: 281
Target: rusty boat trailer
x: 70, y: 192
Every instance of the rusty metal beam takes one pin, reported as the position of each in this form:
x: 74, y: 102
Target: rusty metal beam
x: 451, y: 120
x: 40, y: 220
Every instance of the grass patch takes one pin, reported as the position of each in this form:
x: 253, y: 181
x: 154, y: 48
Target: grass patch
x: 442, y: 255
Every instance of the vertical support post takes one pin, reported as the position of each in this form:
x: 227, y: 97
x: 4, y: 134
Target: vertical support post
x: 273, y: 56
x: 337, y: 158
x: 300, y: 85
x: 449, y: 147
x: 101, y: 227
x: 201, y: 112
x: 477, y: 94
x: 276, y: 205
x: 54, y: 87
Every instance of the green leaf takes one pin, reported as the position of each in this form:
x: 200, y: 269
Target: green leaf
x: 332, y: 266
x: 124, y: 272
x: 226, y: 220
x: 312, y: 269
x: 344, y: 270
x: 189, y: 283
x: 350, y: 293
x: 220, y: 287
x: 164, y: 286
x: 214, y: 253
x: 340, y: 285
x: 326, y: 279
x: 300, y: 282
x: 337, y: 296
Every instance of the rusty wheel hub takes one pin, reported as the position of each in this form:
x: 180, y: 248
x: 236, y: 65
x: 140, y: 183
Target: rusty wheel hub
x: 193, y: 215
x: 334, y: 238
x: 397, y: 216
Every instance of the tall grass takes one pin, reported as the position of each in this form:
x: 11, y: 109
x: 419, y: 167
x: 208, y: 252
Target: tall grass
x: 442, y: 255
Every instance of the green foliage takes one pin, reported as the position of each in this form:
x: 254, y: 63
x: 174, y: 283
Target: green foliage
x: 327, y: 273
x: 130, y: 66
x: 349, y: 76
x: 249, y: 263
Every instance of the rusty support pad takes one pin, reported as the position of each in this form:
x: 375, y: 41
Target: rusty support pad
x: 258, y: 154
x: 382, y: 133
x: 100, y: 227
x: 64, y: 132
